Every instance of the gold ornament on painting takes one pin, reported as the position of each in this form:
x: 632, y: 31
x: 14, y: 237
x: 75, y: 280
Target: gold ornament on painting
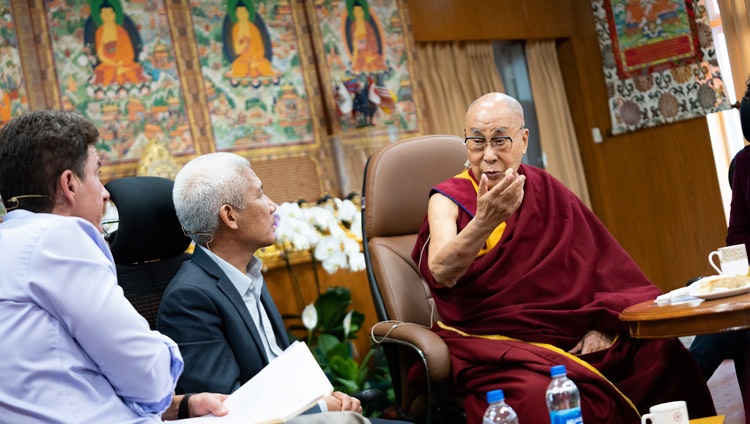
x: 156, y: 161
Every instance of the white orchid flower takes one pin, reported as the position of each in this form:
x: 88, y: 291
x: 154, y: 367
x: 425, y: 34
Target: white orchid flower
x: 356, y: 226
x: 326, y: 248
x: 319, y: 217
x: 289, y: 210
x: 313, y: 237
x: 357, y: 262
x: 296, y: 211
x: 301, y: 242
x: 350, y: 246
x: 330, y: 206
x: 347, y: 211
x: 319, y: 229
x: 284, y: 229
x: 286, y: 208
x: 336, y: 230
x: 336, y: 261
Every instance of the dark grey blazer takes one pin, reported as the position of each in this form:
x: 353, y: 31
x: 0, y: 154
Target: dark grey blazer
x: 204, y: 314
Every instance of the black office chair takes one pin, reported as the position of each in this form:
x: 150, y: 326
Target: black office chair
x: 149, y: 244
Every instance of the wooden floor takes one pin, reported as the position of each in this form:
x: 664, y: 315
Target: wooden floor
x: 726, y: 393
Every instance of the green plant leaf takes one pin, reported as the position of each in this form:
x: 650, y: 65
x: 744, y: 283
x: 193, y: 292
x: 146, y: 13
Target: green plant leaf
x: 349, y: 386
x: 326, y: 342
x: 343, y: 350
x: 364, y: 369
x: 346, y: 368
x: 358, y: 318
x: 332, y: 306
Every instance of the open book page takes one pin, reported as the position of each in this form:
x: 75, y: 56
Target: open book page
x: 288, y: 386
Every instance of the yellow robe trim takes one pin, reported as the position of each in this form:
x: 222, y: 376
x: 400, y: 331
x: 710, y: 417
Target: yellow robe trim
x: 497, y: 233
x: 548, y: 347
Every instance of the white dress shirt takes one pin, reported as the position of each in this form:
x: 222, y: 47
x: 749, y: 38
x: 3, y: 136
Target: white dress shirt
x: 249, y: 285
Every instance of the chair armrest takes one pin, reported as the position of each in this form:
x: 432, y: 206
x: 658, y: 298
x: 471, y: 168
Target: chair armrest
x: 429, y: 346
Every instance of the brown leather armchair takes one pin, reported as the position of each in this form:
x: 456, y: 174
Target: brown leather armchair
x: 398, y: 179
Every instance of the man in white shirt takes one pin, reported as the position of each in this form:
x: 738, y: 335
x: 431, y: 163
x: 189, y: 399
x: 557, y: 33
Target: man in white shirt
x: 73, y: 348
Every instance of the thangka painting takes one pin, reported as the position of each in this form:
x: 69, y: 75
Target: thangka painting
x: 115, y: 64
x: 659, y: 62
x: 13, y: 100
x: 364, y: 48
x: 258, y: 72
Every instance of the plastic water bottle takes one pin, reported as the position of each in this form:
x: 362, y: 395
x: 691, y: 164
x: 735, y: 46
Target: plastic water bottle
x: 563, y: 399
x: 499, y: 412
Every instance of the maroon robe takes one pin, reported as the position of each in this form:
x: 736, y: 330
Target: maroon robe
x: 556, y: 274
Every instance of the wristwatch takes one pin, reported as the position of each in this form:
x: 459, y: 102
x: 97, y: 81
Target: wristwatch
x: 184, y: 411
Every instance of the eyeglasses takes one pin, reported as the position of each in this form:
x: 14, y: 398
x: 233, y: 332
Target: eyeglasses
x: 499, y: 144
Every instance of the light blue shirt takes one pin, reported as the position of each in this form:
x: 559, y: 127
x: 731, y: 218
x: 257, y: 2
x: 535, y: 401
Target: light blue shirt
x: 72, y: 348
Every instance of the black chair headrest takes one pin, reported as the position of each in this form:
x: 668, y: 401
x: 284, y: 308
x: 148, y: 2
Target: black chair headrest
x: 148, y: 226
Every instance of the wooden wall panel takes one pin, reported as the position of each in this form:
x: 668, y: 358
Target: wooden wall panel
x: 448, y: 20
x: 656, y: 190
x: 291, y: 178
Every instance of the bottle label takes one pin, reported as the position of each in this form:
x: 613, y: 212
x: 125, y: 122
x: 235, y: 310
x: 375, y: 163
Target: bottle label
x: 566, y: 416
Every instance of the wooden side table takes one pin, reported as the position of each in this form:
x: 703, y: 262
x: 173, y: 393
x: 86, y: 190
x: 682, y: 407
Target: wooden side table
x: 649, y: 320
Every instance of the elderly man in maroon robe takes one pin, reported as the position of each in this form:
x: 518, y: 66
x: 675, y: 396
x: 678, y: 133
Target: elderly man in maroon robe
x: 525, y: 277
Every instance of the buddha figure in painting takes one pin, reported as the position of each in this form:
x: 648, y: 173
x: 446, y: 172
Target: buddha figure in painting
x: 5, y: 106
x: 248, y: 46
x: 115, y: 51
x: 366, y: 51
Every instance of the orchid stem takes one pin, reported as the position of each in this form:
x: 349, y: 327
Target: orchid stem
x: 294, y: 280
x: 315, y: 273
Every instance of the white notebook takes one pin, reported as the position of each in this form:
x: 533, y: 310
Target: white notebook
x: 288, y: 386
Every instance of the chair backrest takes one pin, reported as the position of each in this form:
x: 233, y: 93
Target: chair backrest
x: 149, y: 245
x: 398, y: 179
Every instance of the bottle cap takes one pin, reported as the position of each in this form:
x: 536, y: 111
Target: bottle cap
x: 495, y: 396
x: 558, y: 370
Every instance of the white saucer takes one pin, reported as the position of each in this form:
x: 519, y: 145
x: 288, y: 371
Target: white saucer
x: 718, y: 292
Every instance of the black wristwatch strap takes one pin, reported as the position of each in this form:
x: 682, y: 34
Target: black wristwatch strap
x: 184, y: 410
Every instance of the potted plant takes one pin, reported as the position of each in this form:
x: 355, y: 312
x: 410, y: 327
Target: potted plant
x: 331, y: 326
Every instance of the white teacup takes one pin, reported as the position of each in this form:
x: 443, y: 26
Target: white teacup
x: 667, y: 413
x: 732, y: 260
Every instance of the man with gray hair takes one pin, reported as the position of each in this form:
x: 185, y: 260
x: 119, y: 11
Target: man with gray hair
x: 217, y: 308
